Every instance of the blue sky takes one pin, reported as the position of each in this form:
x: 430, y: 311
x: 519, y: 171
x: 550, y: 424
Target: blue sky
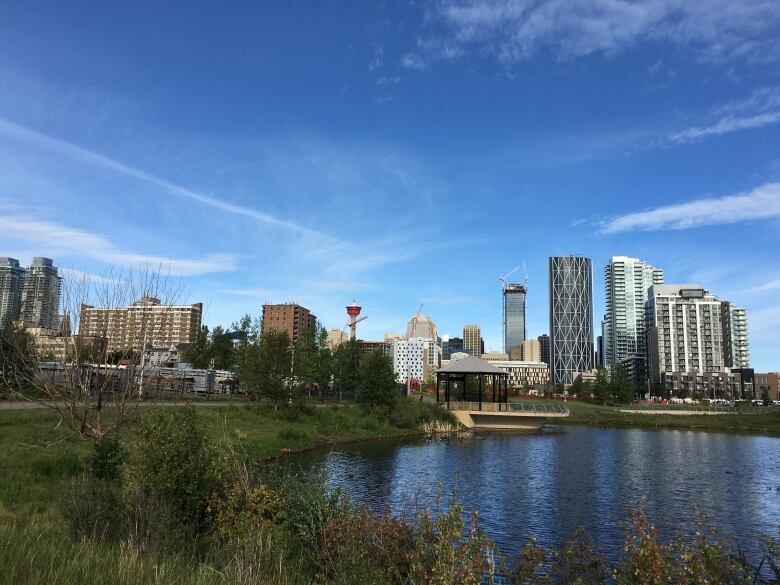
x: 398, y: 153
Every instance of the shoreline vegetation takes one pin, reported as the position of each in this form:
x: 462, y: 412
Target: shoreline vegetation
x: 192, y: 495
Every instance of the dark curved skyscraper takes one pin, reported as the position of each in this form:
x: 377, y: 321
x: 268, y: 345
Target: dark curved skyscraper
x: 571, y: 317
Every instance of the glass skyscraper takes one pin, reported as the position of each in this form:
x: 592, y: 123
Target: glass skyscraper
x: 627, y: 282
x: 514, y: 316
x: 571, y: 317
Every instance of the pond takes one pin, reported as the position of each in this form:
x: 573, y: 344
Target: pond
x: 550, y: 483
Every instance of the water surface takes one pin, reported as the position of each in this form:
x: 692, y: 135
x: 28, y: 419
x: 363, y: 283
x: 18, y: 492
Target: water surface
x: 550, y: 483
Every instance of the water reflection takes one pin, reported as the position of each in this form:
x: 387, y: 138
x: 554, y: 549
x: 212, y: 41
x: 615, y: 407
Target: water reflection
x: 550, y: 483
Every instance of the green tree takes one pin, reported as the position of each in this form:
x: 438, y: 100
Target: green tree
x: 601, y: 389
x: 346, y: 365
x: 577, y: 387
x: 305, y: 358
x: 220, y: 351
x: 621, y: 386
x: 17, y: 358
x: 268, y: 366
x: 377, y: 385
x: 197, y: 353
x: 248, y: 334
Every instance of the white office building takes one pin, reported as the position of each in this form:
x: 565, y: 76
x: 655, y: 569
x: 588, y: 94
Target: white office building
x: 685, y: 330
x: 416, y: 359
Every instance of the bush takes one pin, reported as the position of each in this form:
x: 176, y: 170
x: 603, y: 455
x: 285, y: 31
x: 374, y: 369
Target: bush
x: 107, y: 458
x: 170, y: 474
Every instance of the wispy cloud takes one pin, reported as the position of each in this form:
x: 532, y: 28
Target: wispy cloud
x: 413, y: 61
x: 80, y: 275
x: 85, y: 244
x: 769, y: 286
x: 761, y: 203
x: 516, y: 30
x: 761, y: 109
x: 64, y: 148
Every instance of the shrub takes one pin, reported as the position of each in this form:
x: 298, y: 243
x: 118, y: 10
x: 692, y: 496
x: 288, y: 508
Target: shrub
x: 170, y: 473
x: 243, y: 512
x: 442, y: 555
x: 107, y: 458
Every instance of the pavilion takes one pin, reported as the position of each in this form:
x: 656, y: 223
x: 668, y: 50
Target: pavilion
x: 471, y: 380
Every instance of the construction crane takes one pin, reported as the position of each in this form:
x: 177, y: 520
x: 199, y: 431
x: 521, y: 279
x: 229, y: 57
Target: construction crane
x: 526, y: 275
x: 502, y: 279
x: 414, y: 321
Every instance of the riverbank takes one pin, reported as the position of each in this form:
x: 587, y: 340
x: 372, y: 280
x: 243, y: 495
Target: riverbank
x: 587, y: 413
x: 64, y: 520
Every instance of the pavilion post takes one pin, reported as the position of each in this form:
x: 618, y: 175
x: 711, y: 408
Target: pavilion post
x: 438, y: 383
x: 447, y: 389
x: 494, y: 388
x: 480, y: 391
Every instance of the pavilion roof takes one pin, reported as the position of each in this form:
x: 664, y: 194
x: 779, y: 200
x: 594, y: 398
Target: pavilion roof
x: 470, y: 365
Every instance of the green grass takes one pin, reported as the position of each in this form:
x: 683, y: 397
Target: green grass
x: 590, y: 413
x: 40, y: 457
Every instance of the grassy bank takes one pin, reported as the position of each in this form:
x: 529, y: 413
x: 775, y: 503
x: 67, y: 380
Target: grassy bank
x: 588, y: 413
x: 173, y: 501
x: 40, y: 460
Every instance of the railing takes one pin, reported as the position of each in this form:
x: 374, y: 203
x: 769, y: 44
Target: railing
x: 719, y: 408
x: 511, y: 407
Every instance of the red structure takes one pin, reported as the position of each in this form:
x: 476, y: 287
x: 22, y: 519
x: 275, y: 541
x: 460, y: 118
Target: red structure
x: 353, y: 311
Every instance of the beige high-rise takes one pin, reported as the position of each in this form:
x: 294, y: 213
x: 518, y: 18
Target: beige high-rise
x: 145, y: 323
x: 531, y: 351
x: 472, y: 340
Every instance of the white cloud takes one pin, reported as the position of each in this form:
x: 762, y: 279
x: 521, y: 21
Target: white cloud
x: 90, y: 245
x: 762, y: 108
x: 761, y: 203
x: 80, y: 275
x: 515, y: 30
x: 413, y: 61
x: 64, y: 148
x: 726, y: 126
x: 772, y: 285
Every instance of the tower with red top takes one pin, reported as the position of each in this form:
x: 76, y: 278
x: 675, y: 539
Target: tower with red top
x: 353, y: 311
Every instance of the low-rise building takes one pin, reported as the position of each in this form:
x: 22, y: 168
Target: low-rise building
x: 524, y: 374
x: 495, y: 356
x: 701, y: 385
x: 766, y: 386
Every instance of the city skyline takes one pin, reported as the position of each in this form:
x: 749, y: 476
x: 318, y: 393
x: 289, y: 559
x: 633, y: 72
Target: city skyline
x: 365, y: 151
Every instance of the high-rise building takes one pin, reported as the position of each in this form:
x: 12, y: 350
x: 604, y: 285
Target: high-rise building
x: 531, y: 351
x: 336, y: 337
x: 11, y: 286
x: 472, y: 340
x: 41, y: 295
x: 291, y: 318
x: 544, y: 348
x: 627, y: 282
x: 453, y: 345
x: 514, y: 316
x: 421, y: 326
x: 146, y: 323
x: 736, y: 350
x: 690, y: 330
x: 571, y: 317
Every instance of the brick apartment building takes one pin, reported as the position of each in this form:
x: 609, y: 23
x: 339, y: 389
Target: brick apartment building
x: 289, y: 317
